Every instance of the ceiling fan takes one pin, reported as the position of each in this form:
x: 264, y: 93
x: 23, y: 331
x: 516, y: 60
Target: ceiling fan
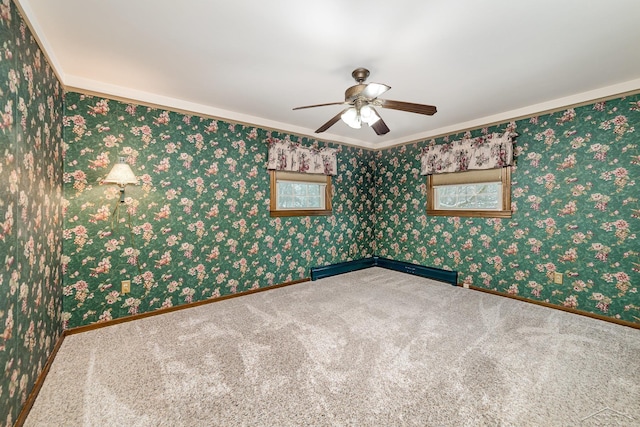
x: 361, y: 100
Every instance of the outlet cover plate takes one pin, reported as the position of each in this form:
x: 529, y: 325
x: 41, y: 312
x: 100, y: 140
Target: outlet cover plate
x: 126, y: 286
x: 557, y: 278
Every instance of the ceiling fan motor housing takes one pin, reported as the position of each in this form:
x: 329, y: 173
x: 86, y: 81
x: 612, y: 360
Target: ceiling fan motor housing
x: 360, y: 74
x: 353, y: 92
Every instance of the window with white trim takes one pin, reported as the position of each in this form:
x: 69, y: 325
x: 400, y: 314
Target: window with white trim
x: 479, y: 193
x: 300, y: 194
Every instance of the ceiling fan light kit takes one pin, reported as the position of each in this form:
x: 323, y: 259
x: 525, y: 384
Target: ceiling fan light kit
x: 361, y: 100
x: 354, y: 117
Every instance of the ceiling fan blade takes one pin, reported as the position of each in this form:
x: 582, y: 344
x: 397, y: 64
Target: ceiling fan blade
x: 380, y: 127
x: 374, y: 90
x: 429, y: 110
x: 320, y: 105
x: 331, y: 122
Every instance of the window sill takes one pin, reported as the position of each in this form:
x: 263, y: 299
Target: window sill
x: 300, y: 212
x: 469, y: 213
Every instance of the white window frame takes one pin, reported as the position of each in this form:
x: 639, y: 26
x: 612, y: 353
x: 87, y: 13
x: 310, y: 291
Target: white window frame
x: 324, y: 181
x: 500, y: 176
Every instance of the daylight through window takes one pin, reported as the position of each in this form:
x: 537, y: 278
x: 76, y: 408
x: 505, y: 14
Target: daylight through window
x: 483, y: 193
x: 297, y: 194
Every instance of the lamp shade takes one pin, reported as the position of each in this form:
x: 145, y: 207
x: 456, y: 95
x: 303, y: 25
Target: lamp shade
x: 352, y: 118
x: 121, y: 174
x: 369, y: 115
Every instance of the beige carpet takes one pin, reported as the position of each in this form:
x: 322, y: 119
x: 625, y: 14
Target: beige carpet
x: 367, y: 348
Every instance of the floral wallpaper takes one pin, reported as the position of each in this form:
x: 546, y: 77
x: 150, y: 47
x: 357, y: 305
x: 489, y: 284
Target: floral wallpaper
x: 30, y: 211
x: 575, y: 211
x: 198, y: 225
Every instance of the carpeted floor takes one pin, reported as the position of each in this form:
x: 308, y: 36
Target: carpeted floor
x: 368, y: 348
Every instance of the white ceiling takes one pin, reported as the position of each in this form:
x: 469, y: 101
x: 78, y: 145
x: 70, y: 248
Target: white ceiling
x: 253, y: 61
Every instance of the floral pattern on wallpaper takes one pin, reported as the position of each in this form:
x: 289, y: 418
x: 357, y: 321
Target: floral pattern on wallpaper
x: 575, y: 211
x: 198, y: 225
x: 30, y: 212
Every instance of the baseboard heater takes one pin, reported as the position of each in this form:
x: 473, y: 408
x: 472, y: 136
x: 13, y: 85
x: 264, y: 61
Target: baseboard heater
x: 446, y: 276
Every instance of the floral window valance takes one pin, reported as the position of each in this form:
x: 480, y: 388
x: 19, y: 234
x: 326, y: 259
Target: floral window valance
x: 291, y: 156
x: 486, y: 152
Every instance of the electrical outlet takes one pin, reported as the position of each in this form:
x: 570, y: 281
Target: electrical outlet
x: 126, y: 286
x: 557, y: 278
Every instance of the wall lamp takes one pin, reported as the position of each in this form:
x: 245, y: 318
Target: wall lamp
x: 122, y: 175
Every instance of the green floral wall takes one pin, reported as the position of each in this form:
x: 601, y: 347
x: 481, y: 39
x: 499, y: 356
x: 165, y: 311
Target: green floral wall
x: 198, y: 225
x: 576, y: 211
x: 30, y: 212
x: 201, y: 226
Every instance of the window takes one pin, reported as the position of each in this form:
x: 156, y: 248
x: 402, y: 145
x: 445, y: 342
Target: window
x: 299, y: 194
x: 480, y: 193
